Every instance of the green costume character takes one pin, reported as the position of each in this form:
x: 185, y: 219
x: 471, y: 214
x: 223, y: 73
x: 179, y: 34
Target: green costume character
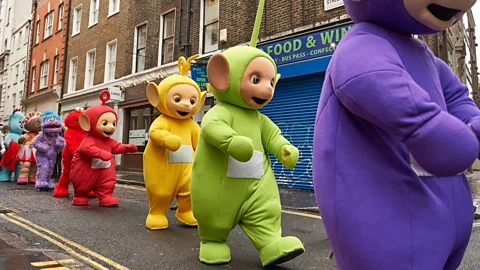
x: 232, y: 179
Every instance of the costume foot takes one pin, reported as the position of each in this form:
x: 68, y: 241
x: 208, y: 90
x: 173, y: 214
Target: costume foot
x: 187, y: 218
x: 60, y: 191
x: 281, y: 250
x: 22, y: 181
x: 32, y: 180
x: 92, y: 195
x: 214, y: 253
x: 80, y: 201
x: 41, y: 186
x: 4, y: 179
x: 157, y: 222
x: 109, y: 201
x: 51, y: 186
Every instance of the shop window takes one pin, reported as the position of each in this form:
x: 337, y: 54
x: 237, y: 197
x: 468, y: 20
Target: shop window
x: 210, y: 25
x: 139, y: 125
x: 168, y: 37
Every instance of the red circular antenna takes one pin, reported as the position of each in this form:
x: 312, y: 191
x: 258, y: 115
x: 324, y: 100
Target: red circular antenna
x: 104, y: 96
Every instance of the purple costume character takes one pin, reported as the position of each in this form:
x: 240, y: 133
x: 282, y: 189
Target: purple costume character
x: 48, y: 144
x: 392, y: 140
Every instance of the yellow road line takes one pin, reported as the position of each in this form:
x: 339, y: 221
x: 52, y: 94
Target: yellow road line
x: 70, y: 242
x: 55, y: 242
x: 284, y: 211
x: 53, y: 262
x: 9, y: 208
x: 56, y: 268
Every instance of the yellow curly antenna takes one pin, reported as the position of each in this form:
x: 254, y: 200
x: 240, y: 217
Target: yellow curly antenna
x: 184, y: 64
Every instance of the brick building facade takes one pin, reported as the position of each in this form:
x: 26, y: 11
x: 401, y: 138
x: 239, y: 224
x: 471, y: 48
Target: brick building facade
x: 47, y: 53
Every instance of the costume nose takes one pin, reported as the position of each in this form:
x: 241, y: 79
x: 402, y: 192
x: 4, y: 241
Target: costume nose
x: 51, y: 120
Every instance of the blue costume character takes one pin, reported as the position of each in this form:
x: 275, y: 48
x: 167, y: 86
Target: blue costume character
x: 392, y: 138
x: 15, y: 131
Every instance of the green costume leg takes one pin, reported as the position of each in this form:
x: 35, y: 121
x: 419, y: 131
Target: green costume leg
x: 261, y: 221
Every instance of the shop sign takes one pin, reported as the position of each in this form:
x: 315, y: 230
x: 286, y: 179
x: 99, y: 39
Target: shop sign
x: 305, y: 47
x: 115, y: 94
x: 199, y: 75
x: 332, y: 4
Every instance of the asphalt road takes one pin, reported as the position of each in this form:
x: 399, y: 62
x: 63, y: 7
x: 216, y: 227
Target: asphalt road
x: 119, y: 234
x: 116, y: 238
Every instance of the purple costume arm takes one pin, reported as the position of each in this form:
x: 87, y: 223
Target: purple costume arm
x: 372, y: 83
x: 38, y: 144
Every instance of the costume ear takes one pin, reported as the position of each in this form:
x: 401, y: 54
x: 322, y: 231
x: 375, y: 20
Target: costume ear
x: 153, y: 95
x: 218, y: 72
x: 277, y: 79
x: 84, y: 122
x: 203, y: 96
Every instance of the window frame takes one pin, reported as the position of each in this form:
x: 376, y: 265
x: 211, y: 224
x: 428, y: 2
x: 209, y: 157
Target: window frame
x: 19, y: 43
x: 136, y: 49
x: 44, y: 73
x: 17, y: 73
x: 34, y: 81
x: 72, y: 86
x: 90, y: 78
x: 55, y: 69
x: 77, y: 17
x: 61, y: 13
x: 163, y: 25
x: 111, y: 11
x: 94, y: 12
x: 108, y: 68
x: 49, y: 20
x: 37, y: 34
x: 24, y: 67
x: 205, y: 25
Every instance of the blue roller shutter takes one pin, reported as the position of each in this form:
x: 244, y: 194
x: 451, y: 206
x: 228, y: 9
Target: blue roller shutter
x: 293, y: 109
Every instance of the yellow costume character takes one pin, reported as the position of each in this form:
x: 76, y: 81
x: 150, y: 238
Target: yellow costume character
x: 173, y: 138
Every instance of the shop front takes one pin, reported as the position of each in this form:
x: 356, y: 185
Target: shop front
x: 302, y: 62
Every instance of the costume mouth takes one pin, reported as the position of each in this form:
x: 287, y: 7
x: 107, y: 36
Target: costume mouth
x: 182, y: 113
x: 108, y: 133
x: 52, y: 126
x: 442, y: 13
x: 259, y: 101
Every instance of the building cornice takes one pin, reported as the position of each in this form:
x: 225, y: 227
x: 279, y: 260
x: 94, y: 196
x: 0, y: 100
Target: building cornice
x: 40, y: 97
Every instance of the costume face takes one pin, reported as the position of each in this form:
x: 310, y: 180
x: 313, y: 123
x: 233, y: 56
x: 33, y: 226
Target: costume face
x: 182, y: 101
x: 51, y: 124
x: 71, y: 121
x: 34, y: 125
x: 14, y: 123
x: 258, y: 82
x: 409, y: 16
x: 106, y: 124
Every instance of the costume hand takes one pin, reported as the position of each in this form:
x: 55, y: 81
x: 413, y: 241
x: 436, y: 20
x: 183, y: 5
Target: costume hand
x: 105, y: 156
x: 2, y: 151
x: 172, y: 142
x: 289, y: 156
x: 131, y: 148
x: 22, y: 139
x: 241, y: 148
x: 43, y: 148
x: 59, y: 144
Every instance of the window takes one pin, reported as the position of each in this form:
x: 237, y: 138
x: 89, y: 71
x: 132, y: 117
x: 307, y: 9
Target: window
x: 94, y: 5
x: 72, y: 83
x: 48, y: 25
x: 23, y: 70
x: 34, y: 75
x: 77, y: 19
x: 168, y: 35
x: 44, y: 68
x: 141, y: 44
x: 13, y: 44
x: 113, y: 7
x: 37, y: 38
x: 90, y: 68
x: 19, y: 40
x: 55, y: 70
x: 14, y: 99
x: 111, y: 61
x: 17, y: 72
x: 210, y: 26
x: 60, y: 17
x: 27, y: 32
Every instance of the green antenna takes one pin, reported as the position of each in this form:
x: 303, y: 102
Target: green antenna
x: 258, y: 21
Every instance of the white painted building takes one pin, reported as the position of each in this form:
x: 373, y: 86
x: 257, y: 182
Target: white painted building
x: 14, y: 36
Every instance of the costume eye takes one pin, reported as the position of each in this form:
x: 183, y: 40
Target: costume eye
x: 177, y: 99
x: 272, y: 83
x: 255, y: 79
x: 114, y: 124
x: 192, y: 101
x: 104, y: 123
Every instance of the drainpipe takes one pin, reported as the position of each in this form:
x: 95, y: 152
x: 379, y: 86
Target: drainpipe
x: 188, y: 46
x: 67, y: 35
x: 180, y: 38
x: 29, y: 52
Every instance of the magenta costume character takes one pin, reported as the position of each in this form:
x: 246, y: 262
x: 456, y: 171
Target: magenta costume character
x: 393, y: 136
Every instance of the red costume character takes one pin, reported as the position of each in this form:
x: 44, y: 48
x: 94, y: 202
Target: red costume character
x: 74, y: 136
x: 93, y: 165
